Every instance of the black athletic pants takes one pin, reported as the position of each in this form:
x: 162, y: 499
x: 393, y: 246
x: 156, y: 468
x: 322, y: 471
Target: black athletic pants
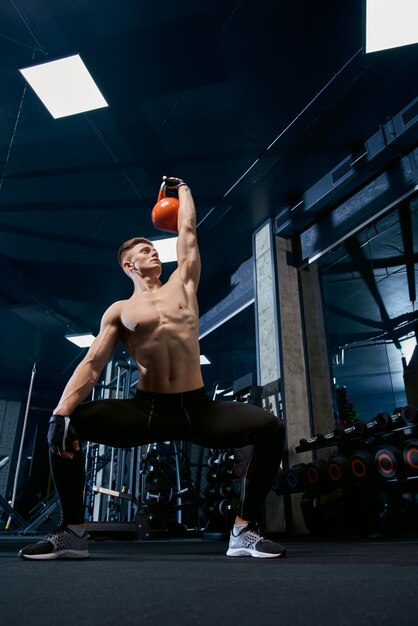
x: 190, y: 416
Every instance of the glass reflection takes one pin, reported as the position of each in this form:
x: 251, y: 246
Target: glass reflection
x: 231, y: 350
x: 369, y: 294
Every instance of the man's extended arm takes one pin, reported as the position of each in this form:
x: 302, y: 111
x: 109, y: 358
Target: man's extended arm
x: 188, y: 257
x: 88, y: 371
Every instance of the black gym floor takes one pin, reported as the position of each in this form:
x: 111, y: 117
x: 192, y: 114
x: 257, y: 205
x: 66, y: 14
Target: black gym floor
x: 191, y: 582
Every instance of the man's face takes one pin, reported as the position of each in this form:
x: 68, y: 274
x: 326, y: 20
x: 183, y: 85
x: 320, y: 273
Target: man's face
x: 144, y: 259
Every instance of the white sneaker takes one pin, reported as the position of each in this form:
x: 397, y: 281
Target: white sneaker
x: 250, y: 542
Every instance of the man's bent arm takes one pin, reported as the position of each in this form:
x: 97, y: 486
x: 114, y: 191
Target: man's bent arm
x: 86, y: 374
x: 188, y: 257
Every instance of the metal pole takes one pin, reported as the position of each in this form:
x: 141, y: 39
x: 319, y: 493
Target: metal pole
x: 22, y: 439
x: 178, y: 481
x: 114, y: 457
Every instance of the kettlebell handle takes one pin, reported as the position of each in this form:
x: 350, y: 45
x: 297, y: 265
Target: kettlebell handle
x: 166, y: 183
x: 161, y: 193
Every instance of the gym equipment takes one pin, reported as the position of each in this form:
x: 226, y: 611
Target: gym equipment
x: 383, y: 420
x: 357, y: 428
x: 155, y: 479
x: 227, y: 458
x: 224, y: 472
x: 226, y: 468
x: 22, y: 439
x: 312, y: 442
x: 222, y: 490
x: 165, y: 212
x: 409, y: 414
x: 213, y: 462
x: 410, y: 455
x: 218, y: 510
x: 295, y: 477
x: 370, y: 483
x: 12, y: 513
x: 154, y: 456
x: 338, y: 469
x: 389, y: 462
x: 362, y: 465
x: 396, y: 420
x: 316, y: 472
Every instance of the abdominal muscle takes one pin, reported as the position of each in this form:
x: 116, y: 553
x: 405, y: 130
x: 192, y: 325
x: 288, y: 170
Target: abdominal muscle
x: 164, y: 343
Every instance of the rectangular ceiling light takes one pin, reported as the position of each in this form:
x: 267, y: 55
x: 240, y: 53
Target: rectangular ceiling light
x: 390, y: 24
x: 167, y: 249
x: 83, y: 340
x: 64, y: 86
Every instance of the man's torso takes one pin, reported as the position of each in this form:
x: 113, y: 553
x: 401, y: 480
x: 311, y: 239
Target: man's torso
x: 160, y: 330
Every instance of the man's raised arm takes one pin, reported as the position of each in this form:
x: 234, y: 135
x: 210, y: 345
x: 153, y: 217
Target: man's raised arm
x: 188, y: 257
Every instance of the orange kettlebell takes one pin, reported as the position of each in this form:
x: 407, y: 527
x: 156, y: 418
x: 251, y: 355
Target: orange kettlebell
x: 165, y: 212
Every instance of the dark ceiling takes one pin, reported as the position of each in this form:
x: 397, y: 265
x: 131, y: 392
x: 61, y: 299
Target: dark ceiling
x: 250, y: 101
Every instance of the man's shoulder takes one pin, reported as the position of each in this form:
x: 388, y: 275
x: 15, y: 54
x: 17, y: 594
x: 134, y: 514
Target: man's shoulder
x: 113, y: 312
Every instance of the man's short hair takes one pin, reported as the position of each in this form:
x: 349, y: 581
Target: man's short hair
x: 128, y: 245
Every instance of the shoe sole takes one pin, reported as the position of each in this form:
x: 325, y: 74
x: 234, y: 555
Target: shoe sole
x: 63, y: 554
x: 254, y: 553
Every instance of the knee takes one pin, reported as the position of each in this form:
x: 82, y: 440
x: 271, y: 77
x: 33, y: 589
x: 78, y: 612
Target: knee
x: 274, y: 432
x: 273, y: 429
x: 279, y: 426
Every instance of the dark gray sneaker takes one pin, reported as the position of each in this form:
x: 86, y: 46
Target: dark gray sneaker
x: 61, y: 543
x: 250, y: 542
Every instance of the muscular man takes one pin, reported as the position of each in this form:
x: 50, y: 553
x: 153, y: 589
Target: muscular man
x: 158, y: 325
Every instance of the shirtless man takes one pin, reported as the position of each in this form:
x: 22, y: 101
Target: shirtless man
x: 158, y: 325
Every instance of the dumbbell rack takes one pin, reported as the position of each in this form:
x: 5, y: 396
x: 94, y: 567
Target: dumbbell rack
x: 226, y: 468
x: 372, y: 489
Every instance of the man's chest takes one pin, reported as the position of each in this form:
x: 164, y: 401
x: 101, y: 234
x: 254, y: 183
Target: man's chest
x: 145, y: 312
